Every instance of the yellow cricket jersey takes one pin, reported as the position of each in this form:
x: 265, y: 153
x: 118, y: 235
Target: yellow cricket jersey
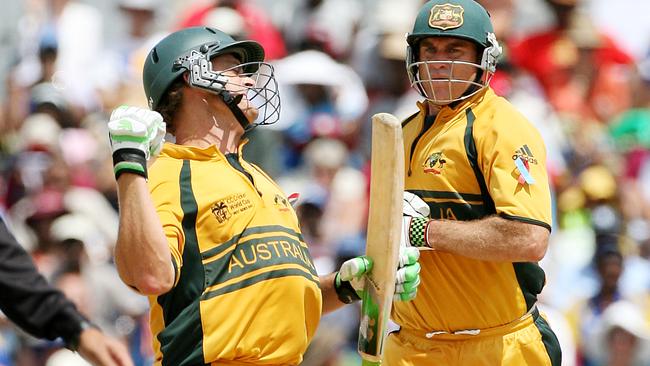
x: 479, y: 158
x: 246, y: 290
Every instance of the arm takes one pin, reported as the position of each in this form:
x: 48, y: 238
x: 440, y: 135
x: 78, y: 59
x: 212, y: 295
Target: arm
x: 331, y: 300
x: 29, y: 301
x: 142, y: 254
x: 492, y: 239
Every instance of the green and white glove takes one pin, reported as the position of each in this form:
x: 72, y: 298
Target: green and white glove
x: 136, y: 135
x: 416, y: 218
x: 350, y: 280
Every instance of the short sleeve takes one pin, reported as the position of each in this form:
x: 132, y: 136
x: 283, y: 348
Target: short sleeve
x: 165, y: 194
x: 512, y: 157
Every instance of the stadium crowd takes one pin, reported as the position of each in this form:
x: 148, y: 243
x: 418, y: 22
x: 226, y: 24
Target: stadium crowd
x: 578, y: 69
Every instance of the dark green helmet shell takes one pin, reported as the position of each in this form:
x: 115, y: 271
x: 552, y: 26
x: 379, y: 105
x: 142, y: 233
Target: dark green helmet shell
x: 162, y: 66
x: 452, y: 18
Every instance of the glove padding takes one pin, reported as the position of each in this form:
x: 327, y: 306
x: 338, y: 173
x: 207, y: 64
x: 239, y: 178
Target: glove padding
x: 414, y: 226
x: 136, y: 135
x: 414, y: 206
x: 350, y: 280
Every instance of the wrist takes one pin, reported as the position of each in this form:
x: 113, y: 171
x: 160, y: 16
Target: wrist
x: 344, y: 290
x: 74, y: 341
x: 418, y: 232
x: 428, y: 236
x: 129, y: 161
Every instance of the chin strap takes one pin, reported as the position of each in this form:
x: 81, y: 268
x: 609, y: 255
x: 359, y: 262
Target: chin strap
x: 232, y: 103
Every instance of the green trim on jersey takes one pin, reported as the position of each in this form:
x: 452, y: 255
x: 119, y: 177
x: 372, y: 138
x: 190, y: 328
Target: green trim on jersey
x: 249, y: 231
x: 527, y: 220
x: 472, y: 156
x: 551, y: 343
x: 256, y: 279
x: 467, y: 197
x: 409, y: 118
x: 182, y: 339
x: 457, y: 211
x: 531, y: 279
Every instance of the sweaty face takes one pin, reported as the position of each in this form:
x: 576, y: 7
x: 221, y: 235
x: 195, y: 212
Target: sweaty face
x: 447, y: 67
x: 238, y: 83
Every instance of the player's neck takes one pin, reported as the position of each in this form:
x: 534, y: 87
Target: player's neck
x: 203, y: 128
x: 433, y: 109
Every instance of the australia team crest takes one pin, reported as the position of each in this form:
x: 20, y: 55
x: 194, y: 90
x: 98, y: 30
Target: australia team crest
x: 446, y: 16
x: 434, y: 163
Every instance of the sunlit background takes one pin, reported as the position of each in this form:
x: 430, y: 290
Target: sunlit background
x: 579, y: 70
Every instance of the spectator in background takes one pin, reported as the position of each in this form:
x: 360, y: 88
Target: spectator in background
x: 338, y: 191
x: 257, y: 24
x: 586, y: 315
x: 324, y: 98
x: 583, y: 72
x: 622, y: 338
x: 325, y: 25
x: 76, y: 28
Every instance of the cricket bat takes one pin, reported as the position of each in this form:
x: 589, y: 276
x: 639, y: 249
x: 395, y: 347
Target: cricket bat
x: 383, y: 236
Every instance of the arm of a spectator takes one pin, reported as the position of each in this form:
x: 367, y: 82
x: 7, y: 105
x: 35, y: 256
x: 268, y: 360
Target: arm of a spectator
x: 26, y: 297
x: 41, y: 310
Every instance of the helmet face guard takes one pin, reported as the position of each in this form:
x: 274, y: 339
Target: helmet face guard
x: 420, y: 75
x: 262, y: 94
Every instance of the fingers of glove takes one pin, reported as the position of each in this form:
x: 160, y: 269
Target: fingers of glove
x: 358, y: 284
x: 414, y: 206
x: 408, y: 256
x: 409, y: 286
x: 128, y: 129
x: 355, y: 268
x: 405, y: 240
x: 158, y: 139
x: 144, y: 115
x: 125, y: 111
x: 405, y: 296
x: 407, y: 274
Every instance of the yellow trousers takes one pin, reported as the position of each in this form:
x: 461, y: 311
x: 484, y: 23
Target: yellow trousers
x: 528, y: 342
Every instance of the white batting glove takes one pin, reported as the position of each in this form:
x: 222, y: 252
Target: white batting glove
x: 350, y: 279
x: 414, y: 206
x: 136, y: 135
x: 414, y: 225
x: 407, y: 278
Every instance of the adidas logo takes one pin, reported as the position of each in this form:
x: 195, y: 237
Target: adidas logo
x: 525, y: 154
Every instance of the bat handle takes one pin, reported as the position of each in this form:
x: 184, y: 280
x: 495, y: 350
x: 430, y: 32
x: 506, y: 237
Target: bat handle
x: 369, y: 363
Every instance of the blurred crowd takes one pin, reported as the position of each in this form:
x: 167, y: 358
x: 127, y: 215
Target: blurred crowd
x: 578, y: 69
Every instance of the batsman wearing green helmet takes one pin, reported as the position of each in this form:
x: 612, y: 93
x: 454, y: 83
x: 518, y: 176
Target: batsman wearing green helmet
x: 477, y: 205
x: 208, y: 236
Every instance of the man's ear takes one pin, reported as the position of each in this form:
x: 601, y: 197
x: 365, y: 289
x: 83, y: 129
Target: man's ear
x: 186, y: 77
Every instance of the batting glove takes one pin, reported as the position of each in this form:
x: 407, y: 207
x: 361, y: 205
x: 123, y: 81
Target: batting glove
x: 350, y: 281
x: 416, y: 218
x: 136, y: 135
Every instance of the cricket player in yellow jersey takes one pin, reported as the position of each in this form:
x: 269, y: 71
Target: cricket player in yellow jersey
x: 477, y: 199
x: 211, y: 238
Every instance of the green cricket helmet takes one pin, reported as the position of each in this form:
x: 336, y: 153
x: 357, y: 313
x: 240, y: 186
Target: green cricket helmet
x: 191, y: 49
x: 465, y: 19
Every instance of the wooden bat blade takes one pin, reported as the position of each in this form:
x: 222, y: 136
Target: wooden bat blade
x: 383, y: 236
